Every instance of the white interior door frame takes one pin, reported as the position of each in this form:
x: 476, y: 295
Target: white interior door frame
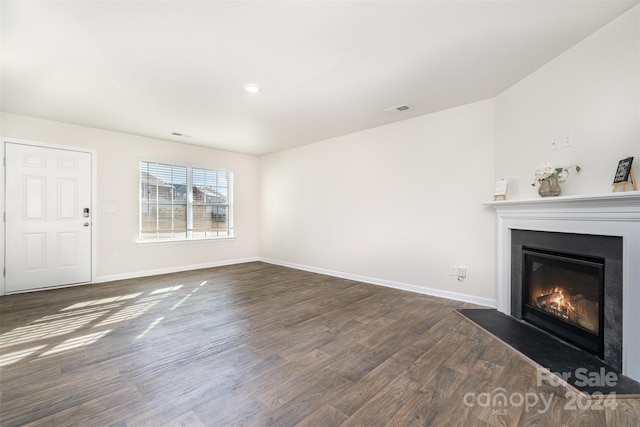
x: 94, y: 198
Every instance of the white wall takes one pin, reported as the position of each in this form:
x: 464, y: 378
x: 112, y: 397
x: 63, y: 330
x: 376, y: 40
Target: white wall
x: 397, y: 204
x: 593, y: 90
x: 117, y: 185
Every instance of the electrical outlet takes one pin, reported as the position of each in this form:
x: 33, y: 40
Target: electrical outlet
x: 114, y: 257
x: 554, y: 144
x: 457, y: 270
x: 567, y: 140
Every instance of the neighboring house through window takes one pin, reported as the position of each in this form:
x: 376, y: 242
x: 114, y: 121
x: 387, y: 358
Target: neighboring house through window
x: 181, y: 202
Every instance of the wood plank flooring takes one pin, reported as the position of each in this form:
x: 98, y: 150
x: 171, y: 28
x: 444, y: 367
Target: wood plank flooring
x: 262, y: 345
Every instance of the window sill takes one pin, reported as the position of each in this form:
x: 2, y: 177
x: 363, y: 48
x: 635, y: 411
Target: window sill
x: 176, y: 241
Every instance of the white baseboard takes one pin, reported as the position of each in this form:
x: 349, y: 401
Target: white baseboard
x: 136, y: 274
x: 388, y: 283
x: 364, y: 279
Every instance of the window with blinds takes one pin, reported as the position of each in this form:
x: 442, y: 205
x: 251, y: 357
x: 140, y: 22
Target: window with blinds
x: 181, y: 202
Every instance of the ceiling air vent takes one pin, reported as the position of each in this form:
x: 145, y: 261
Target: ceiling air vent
x: 182, y: 135
x: 398, y: 109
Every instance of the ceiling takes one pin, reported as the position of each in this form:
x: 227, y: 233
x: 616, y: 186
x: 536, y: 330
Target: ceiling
x: 326, y: 68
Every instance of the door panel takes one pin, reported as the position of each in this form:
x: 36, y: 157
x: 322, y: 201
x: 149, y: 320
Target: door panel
x: 48, y: 239
x: 35, y: 251
x: 34, y: 190
x: 68, y: 249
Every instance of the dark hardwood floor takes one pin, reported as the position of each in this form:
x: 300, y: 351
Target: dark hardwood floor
x: 259, y: 345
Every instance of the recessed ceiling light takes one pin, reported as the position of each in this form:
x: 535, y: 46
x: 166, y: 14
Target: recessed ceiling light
x: 182, y: 135
x: 252, y: 88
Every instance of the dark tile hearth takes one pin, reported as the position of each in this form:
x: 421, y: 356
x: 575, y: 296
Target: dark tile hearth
x: 549, y: 352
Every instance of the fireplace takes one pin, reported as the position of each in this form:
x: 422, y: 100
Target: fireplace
x: 613, y: 215
x: 564, y: 295
x: 570, y: 285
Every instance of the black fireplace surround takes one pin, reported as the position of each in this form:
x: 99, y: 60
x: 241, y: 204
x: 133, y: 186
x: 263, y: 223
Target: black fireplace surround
x: 593, y: 251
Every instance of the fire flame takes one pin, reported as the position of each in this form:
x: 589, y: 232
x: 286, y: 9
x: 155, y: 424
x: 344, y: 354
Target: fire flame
x: 557, y: 304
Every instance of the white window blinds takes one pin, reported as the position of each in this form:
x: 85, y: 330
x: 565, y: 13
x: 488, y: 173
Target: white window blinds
x: 180, y: 202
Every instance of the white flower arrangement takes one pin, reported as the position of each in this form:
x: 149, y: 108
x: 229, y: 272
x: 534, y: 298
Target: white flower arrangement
x: 547, y: 171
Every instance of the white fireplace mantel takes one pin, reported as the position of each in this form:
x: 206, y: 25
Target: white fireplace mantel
x: 612, y: 214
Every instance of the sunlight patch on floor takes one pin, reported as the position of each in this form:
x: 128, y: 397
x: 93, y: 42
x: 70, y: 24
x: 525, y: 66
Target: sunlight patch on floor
x: 128, y: 313
x: 102, y: 301
x: 67, y: 315
x: 104, y: 311
x: 9, y: 358
x: 38, y: 331
x: 150, y: 327
x: 163, y: 290
x: 77, y: 342
x: 179, y: 303
x: 156, y: 298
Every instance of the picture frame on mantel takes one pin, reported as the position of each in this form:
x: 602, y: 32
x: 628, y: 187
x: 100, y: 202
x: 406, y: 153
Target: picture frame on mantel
x: 623, y: 171
x: 500, y: 190
x: 624, y: 175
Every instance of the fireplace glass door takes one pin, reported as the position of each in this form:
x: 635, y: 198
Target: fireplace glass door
x: 563, y: 294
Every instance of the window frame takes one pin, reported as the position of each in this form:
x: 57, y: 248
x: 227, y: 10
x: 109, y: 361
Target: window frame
x: 189, y: 204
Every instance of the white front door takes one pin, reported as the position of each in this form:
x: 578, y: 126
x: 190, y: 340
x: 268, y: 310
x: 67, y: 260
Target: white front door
x: 48, y: 221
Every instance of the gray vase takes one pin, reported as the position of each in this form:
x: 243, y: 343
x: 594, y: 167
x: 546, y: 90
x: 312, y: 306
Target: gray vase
x: 549, y: 187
